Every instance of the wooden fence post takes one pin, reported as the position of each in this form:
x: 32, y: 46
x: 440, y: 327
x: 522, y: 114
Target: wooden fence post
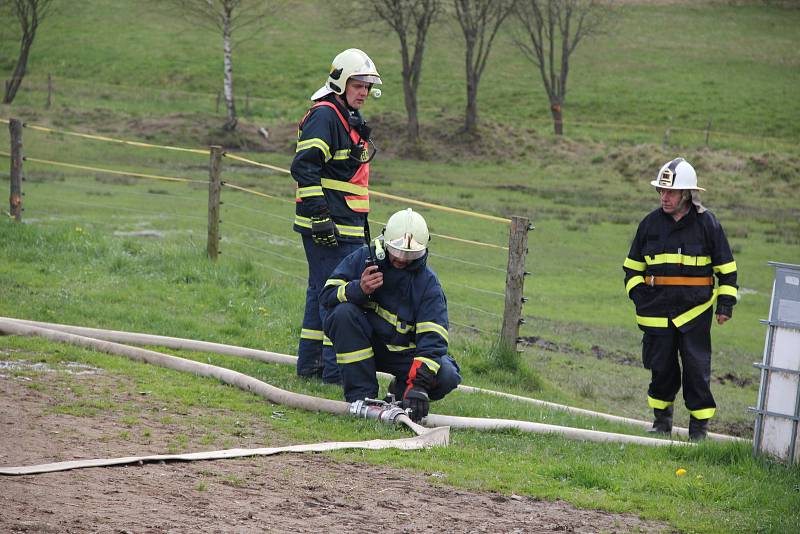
x: 515, y: 281
x: 49, y: 91
x: 214, y: 187
x: 15, y: 199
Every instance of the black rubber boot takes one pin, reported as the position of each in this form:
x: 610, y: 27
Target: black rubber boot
x: 698, y: 429
x: 663, y: 421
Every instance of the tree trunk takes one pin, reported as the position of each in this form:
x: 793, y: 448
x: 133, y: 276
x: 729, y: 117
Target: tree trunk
x: 558, y: 125
x: 230, y: 123
x: 471, y: 122
x: 471, y: 116
x: 412, y: 127
x: 12, y: 85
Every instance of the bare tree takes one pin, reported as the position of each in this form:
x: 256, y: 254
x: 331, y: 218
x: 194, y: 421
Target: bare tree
x: 226, y: 17
x: 410, y: 19
x: 552, y: 31
x: 30, y: 14
x: 479, y: 20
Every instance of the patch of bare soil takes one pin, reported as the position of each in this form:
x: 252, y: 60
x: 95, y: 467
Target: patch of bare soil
x: 284, y: 493
x: 619, y: 357
x: 596, y: 351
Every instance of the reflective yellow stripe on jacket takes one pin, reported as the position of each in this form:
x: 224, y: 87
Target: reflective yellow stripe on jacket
x: 427, y: 326
x: 310, y: 191
x: 634, y: 265
x: 315, y: 143
x: 390, y: 318
x: 432, y: 365
x: 725, y: 268
x: 346, y: 187
x: 685, y: 317
x: 355, y: 231
x: 679, y: 259
x: 633, y: 282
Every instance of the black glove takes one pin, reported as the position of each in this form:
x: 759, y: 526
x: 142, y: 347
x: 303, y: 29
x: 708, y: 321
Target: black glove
x: 420, y: 381
x: 417, y: 402
x: 323, y: 230
x: 722, y: 309
x: 420, y: 376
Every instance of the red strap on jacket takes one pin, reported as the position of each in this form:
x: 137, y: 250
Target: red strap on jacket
x: 361, y: 176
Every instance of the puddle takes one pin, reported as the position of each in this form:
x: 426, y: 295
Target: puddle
x: 73, y: 368
x: 139, y: 233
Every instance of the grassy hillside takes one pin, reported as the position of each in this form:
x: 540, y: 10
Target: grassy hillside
x: 114, y: 251
x: 657, y: 67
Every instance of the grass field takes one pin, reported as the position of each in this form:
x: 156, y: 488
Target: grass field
x: 84, y: 257
x: 657, y: 67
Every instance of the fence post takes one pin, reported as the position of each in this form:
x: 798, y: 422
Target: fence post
x: 15, y: 199
x: 214, y: 187
x: 708, y: 129
x: 515, y: 281
x: 49, y: 91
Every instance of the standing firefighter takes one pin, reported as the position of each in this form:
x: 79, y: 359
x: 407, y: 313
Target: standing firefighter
x: 331, y: 168
x: 387, y: 312
x: 669, y: 275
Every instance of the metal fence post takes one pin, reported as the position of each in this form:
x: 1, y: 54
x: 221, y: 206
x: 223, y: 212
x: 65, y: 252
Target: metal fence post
x: 515, y: 281
x: 15, y: 199
x: 214, y: 187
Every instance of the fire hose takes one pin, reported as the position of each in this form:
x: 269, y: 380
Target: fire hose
x: 370, y: 409
x: 274, y: 357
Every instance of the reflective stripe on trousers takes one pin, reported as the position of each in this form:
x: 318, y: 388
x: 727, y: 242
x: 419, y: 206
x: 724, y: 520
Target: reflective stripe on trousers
x: 661, y: 353
x: 312, y: 357
x: 361, y: 355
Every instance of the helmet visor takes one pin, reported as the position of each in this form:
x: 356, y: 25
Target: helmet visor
x: 405, y: 248
x: 366, y: 78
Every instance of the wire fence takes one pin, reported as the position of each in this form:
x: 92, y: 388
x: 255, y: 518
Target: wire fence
x: 255, y: 215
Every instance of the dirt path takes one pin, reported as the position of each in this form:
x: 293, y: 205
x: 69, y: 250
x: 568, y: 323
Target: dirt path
x: 283, y: 493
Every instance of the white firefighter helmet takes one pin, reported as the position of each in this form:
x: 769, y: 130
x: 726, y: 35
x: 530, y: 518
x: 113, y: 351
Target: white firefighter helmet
x: 406, y: 235
x: 676, y: 174
x: 352, y: 63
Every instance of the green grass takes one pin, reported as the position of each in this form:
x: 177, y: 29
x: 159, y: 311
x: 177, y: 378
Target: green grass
x: 725, y: 489
x: 735, y: 65
x: 81, y: 258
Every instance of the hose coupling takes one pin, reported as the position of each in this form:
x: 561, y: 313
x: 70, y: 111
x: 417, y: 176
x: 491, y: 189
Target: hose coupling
x: 376, y: 409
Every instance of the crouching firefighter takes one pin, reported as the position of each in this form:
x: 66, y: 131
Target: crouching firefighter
x: 386, y: 311
x: 669, y: 275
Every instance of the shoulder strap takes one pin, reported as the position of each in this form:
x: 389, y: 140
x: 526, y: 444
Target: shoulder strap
x: 334, y: 108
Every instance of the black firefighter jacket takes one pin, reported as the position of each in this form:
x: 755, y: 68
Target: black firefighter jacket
x: 329, y: 176
x: 693, y: 246
x: 410, y: 307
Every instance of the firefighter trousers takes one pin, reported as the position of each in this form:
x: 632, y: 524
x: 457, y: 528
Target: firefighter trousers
x: 660, y: 353
x: 361, y: 353
x: 314, y: 358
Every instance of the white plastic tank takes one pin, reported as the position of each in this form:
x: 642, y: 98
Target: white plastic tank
x: 777, y: 427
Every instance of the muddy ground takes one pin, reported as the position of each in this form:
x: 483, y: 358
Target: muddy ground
x: 282, y: 493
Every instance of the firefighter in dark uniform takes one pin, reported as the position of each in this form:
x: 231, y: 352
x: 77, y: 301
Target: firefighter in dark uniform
x: 669, y: 274
x: 331, y: 168
x: 387, y: 312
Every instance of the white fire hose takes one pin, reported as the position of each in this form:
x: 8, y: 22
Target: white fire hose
x: 274, y: 357
x: 106, y: 341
